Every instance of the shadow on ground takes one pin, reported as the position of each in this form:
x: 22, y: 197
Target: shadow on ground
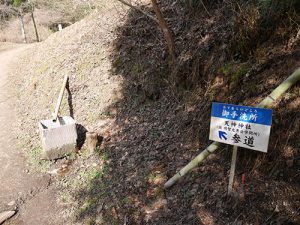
x: 156, y: 132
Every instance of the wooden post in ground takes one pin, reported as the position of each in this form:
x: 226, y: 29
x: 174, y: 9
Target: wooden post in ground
x: 232, y: 170
x: 60, y: 97
x: 35, y: 27
x: 22, y: 28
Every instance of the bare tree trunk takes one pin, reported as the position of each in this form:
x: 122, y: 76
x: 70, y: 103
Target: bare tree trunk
x: 35, y: 28
x: 22, y: 28
x: 166, y: 30
x: 162, y: 24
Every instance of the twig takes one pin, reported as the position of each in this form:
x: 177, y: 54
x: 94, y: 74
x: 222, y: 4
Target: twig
x: 138, y: 9
x: 289, y: 133
x: 202, y: 3
x: 125, y: 220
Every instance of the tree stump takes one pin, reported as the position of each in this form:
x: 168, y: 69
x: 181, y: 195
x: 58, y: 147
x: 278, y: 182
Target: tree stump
x: 91, y: 141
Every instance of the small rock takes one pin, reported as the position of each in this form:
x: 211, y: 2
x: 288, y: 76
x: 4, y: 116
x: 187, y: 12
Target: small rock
x: 170, y: 198
x: 240, y: 222
x: 290, y: 163
x: 53, y: 172
x: 100, y: 208
x: 212, y: 157
x: 64, y: 166
x: 281, y: 174
x: 194, y: 191
x: 12, y: 203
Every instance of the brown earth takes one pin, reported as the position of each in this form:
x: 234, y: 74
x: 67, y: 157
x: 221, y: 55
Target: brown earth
x: 21, y: 189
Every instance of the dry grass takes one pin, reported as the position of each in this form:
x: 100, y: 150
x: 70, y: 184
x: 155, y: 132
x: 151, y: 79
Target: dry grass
x: 84, y: 56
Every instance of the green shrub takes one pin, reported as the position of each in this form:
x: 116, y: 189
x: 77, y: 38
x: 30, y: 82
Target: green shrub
x: 17, y: 3
x: 237, y: 75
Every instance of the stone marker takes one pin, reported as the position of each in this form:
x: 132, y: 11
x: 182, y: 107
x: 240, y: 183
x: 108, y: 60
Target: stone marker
x: 58, y: 138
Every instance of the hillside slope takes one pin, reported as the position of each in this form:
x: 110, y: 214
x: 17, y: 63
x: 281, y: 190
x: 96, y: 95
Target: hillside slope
x: 47, y: 15
x: 117, y: 65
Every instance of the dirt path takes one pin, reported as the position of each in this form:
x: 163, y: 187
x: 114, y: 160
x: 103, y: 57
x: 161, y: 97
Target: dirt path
x: 20, y: 189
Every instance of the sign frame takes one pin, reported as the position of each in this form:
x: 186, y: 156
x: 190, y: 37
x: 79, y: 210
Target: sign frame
x: 242, y: 126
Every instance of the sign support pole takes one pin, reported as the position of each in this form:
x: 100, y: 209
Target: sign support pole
x: 232, y: 169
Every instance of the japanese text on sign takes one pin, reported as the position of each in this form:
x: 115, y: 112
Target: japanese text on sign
x: 241, y: 125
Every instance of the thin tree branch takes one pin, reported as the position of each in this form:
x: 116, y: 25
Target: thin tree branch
x: 166, y: 30
x: 162, y: 24
x: 202, y: 3
x: 138, y: 9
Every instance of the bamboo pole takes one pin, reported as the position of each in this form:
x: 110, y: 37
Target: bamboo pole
x: 60, y: 97
x: 266, y: 103
x: 282, y: 88
x: 210, y: 149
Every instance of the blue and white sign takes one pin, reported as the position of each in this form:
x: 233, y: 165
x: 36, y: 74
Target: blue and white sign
x: 244, y: 126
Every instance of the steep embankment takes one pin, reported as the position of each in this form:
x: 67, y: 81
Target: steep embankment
x: 81, y: 51
x: 117, y: 64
